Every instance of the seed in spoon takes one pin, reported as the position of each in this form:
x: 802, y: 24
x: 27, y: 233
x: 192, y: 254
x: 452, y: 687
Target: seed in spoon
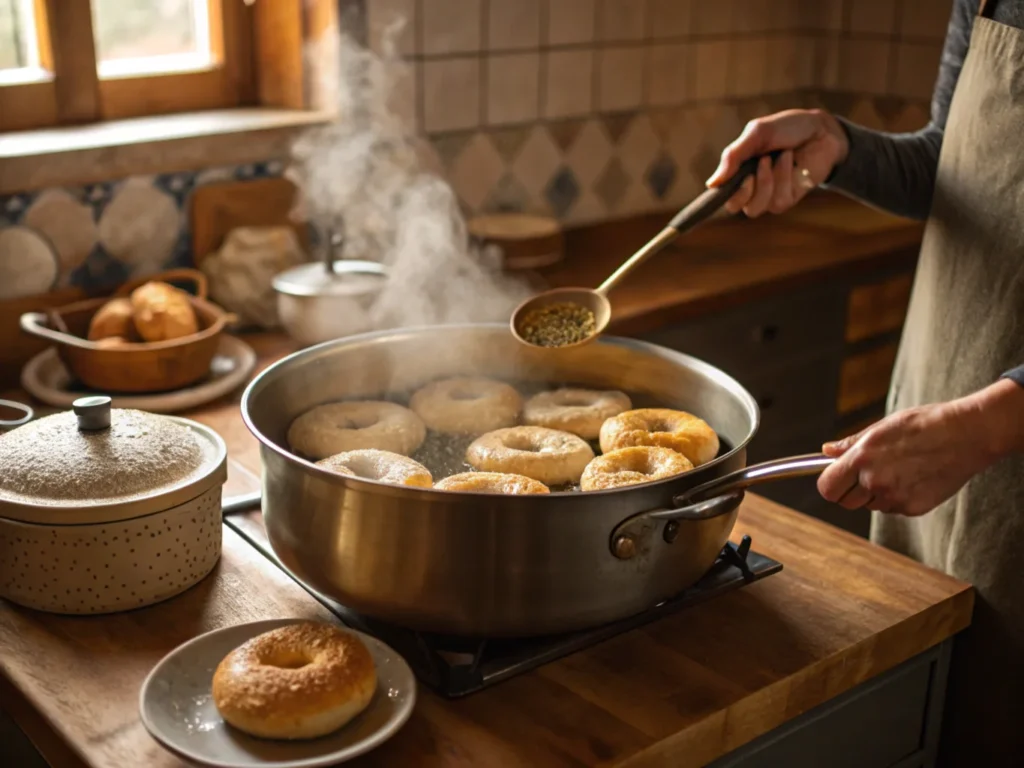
x: 557, y: 325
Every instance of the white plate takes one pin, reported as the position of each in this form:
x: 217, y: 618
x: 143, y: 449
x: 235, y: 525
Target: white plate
x: 45, y: 378
x: 177, y: 708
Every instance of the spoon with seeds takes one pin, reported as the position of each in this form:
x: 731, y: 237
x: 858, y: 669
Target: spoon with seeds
x: 570, y: 317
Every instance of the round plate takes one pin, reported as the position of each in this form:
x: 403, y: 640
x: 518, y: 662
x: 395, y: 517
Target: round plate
x: 45, y: 378
x: 177, y: 708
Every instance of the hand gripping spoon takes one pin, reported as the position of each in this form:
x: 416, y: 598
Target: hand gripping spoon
x: 595, y: 301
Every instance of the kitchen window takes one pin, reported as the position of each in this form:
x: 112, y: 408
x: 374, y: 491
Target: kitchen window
x: 66, y: 62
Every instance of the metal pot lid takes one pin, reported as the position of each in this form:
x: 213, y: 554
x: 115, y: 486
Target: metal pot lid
x: 99, y: 464
x: 351, y: 277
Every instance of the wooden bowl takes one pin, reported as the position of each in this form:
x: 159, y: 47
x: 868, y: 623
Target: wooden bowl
x: 139, y: 367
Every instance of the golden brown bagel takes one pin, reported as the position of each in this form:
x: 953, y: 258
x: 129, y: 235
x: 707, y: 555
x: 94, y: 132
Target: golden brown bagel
x: 295, y: 682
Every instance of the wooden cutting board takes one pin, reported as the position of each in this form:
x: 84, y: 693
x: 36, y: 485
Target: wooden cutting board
x: 219, y: 208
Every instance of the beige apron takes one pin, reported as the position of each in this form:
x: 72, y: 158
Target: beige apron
x: 964, y: 329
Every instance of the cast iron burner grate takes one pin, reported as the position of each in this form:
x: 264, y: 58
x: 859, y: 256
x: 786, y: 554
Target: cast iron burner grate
x: 455, y: 667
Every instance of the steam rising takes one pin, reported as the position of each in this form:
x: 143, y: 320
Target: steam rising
x: 362, y: 176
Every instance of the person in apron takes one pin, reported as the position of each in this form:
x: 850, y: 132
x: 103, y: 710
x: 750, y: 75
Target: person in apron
x: 943, y: 472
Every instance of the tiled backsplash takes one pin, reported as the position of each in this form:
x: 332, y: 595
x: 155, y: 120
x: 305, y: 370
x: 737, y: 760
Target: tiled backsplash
x: 585, y: 109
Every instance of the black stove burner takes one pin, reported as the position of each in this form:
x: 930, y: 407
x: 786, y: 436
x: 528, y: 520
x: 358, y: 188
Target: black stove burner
x: 455, y: 667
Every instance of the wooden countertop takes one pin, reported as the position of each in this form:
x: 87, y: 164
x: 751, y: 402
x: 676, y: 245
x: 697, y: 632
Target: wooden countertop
x: 682, y: 691
x: 731, y: 260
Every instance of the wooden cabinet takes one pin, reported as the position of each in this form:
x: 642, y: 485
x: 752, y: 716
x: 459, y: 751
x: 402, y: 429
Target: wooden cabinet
x: 818, y: 359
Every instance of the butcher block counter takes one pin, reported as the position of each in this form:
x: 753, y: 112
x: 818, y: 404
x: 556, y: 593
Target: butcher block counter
x: 837, y: 660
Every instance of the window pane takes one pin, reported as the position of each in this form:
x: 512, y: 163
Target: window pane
x: 145, y: 36
x: 18, y: 49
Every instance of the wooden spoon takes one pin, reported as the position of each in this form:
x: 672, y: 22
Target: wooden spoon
x: 596, y: 300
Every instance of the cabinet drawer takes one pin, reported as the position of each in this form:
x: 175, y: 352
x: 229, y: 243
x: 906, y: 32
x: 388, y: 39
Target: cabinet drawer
x: 745, y: 339
x: 796, y: 397
x: 864, y: 378
x: 877, y: 308
x: 879, y: 724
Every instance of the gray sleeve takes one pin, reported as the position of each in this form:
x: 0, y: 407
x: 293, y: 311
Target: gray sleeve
x: 896, y: 171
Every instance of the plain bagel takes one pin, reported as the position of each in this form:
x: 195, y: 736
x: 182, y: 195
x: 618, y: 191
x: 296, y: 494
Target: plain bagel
x: 570, y: 409
x: 334, y: 428
x: 547, y: 455
x: 382, y: 466
x: 468, y: 405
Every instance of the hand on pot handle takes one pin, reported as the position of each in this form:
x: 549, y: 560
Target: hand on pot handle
x: 814, y: 143
x: 915, y: 459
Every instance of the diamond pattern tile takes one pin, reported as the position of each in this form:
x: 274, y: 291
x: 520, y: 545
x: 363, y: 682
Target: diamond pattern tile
x: 508, y: 141
x: 508, y: 196
x: 562, y: 192
x: 590, y: 154
x: 688, y: 185
x: 637, y: 199
x: 588, y: 209
x: 564, y: 132
x: 537, y: 162
x: 912, y: 118
x: 662, y: 121
x: 889, y: 107
x: 685, y: 138
x: 99, y: 273
x: 751, y: 109
x: 612, y: 185
x: 704, y: 161
x: 638, y: 147
x: 476, y: 171
x: 838, y: 102
x: 661, y: 175
x: 864, y: 113
x: 616, y: 124
x: 449, y: 146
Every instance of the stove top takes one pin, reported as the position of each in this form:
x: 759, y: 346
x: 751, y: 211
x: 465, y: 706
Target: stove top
x: 455, y: 667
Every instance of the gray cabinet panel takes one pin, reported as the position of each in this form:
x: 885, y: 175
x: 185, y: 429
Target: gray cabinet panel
x: 796, y: 398
x: 746, y: 339
x: 879, y: 724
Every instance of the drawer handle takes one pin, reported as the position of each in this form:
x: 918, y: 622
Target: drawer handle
x: 765, y: 402
x: 767, y: 333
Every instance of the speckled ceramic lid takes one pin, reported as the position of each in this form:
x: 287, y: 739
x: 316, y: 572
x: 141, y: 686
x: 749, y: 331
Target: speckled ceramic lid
x: 97, y: 464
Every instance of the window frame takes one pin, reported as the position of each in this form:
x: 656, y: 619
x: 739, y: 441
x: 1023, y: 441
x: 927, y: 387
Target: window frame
x: 257, y: 48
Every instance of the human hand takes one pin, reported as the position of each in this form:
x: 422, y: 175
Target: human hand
x: 814, y: 144
x: 913, y: 460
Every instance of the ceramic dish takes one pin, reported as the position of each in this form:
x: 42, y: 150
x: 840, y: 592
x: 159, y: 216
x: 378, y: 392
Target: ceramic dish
x: 106, y: 509
x: 177, y: 708
x: 45, y: 378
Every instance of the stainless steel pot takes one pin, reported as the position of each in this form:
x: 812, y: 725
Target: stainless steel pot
x: 316, y: 303
x: 489, y: 565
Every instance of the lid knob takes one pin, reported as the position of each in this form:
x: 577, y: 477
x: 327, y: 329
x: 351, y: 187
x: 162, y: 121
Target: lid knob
x: 93, y: 412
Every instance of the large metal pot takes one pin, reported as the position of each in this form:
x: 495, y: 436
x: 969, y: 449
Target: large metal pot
x: 489, y: 565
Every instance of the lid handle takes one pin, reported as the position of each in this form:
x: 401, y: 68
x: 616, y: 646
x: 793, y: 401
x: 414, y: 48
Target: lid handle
x: 93, y: 412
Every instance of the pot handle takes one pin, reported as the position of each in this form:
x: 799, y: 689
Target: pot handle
x: 25, y: 410
x: 35, y: 323
x: 714, y: 498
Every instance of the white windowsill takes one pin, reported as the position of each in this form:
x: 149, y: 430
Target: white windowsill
x: 97, y: 152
